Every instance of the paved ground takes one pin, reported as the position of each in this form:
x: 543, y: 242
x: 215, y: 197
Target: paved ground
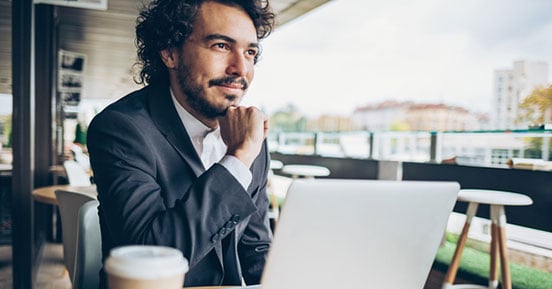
x: 51, y: 272
x: 5, y: 267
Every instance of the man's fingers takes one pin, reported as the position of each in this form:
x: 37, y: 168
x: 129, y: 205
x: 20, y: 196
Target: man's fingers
x: 243, y: 129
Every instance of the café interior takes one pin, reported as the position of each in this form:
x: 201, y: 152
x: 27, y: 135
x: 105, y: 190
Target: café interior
x: 36, y: 37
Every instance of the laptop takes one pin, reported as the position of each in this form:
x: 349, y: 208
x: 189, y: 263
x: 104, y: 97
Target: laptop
x: 341, y: 234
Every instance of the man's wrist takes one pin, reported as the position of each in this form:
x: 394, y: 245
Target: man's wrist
x: 245, y: 157
x: 238, y: 169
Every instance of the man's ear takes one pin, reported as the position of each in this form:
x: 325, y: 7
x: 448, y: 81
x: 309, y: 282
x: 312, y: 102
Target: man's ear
x: 169, y: 57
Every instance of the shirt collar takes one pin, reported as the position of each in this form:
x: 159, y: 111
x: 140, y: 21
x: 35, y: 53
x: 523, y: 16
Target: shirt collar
x: 195, y: 128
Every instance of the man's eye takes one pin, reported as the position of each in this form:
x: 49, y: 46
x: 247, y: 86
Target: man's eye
x: 252, y: 52
x: 221, y: 45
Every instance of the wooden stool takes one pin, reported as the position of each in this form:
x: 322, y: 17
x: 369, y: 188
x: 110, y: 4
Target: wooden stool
x: 497, y: 200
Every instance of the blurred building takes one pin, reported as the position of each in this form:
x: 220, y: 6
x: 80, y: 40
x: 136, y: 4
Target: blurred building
x: 511, y: 87
x: 331, y: 123
x: 404, y: 116
x: 382, y: 116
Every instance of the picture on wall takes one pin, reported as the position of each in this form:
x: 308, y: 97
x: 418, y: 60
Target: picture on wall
x: 70, y: 77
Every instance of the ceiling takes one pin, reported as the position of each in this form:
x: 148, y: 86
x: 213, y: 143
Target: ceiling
x: 106, y: 38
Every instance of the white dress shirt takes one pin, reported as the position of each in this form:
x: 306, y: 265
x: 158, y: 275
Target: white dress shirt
x: 210, y: 147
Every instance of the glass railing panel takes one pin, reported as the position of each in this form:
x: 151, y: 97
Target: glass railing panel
x: 479, y: 148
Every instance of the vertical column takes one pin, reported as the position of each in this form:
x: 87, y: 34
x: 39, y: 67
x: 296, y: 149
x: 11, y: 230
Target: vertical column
x: 45, y: 65
x: 371, y: 145
x: 23, y: 143
x: 316, y: 136
x: 435, y: 147
x: 45, y: 90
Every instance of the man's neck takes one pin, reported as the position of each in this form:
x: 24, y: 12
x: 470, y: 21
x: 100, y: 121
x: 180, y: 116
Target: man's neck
x: 181, y: 99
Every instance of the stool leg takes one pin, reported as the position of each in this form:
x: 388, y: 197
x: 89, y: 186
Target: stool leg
x: 493, y: 274
x: 455, y: 262
x: 504, y: 261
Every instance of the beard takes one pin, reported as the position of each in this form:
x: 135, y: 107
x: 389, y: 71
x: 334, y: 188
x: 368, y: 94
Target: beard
x: 195, y: 94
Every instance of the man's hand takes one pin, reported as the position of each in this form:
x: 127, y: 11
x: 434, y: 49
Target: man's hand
x: 243, y: 130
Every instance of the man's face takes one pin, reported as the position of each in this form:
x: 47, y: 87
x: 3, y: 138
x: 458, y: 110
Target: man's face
x: 216, y: 63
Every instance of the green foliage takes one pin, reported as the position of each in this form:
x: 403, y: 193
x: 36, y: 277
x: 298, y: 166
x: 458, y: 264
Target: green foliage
x: 7, y: 131
x: 476, y: 263
x: 537, y: 107
x: 288, y: 119
x: 80, y: 134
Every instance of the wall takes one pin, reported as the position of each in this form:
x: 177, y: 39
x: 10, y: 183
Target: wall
x: 535, y: 184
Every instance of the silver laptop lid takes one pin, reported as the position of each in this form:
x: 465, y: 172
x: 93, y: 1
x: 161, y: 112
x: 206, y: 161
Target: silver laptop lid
x: 340, y: 234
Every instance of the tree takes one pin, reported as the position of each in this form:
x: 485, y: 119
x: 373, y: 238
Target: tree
x: 288, y: 119
x: 537, y: 107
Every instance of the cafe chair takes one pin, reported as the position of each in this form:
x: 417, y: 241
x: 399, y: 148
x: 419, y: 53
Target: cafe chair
x: 76, y: 175
x: 80, y: 157
x: 88, y: 259
x: 69, y: 205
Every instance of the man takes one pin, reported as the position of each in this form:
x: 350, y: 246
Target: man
x: 179, y: 163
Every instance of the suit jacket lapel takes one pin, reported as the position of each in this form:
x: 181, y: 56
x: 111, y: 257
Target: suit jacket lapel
x: 169, y: 123
x: 166, y: 118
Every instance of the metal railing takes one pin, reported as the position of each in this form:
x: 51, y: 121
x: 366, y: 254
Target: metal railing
x: 483, y: 148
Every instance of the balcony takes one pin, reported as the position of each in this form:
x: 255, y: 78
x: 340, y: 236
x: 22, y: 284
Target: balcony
x: 486, y: 160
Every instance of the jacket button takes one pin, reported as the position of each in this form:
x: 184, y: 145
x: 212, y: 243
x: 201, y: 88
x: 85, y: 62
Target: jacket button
x: 235, y: 219
x: 230, y: 225
x: 222, y: 231
x: 215, y: 238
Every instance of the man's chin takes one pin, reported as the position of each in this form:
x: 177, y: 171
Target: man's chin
x: 232, y: 100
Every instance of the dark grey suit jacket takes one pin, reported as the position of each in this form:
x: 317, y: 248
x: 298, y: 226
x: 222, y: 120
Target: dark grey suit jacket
x: 153, y: 189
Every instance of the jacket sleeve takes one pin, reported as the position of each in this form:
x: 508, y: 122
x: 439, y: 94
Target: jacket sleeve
x: 255, y: 242
x: 133, y: 203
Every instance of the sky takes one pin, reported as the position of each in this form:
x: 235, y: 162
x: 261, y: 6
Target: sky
x: 351, y: 53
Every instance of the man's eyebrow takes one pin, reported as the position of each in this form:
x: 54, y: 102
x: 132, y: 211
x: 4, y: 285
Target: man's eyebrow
x: 228, y: 39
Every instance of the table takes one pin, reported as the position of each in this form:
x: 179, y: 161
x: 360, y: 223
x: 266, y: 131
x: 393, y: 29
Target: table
x: 497, y: 200
x: 276, y: 164
x: 47, y: 195
x: 305, y: 171
x: 6, y: 169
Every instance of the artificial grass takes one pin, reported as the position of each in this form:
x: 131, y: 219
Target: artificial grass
x: 475, y: 265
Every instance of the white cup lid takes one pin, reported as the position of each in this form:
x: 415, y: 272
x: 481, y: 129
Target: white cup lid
x: 146, y: 262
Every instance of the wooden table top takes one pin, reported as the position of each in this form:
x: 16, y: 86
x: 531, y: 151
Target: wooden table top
x: 47, y: 194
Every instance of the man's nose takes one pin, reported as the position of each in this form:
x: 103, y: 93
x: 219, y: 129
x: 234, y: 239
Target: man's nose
x: 239, y: 65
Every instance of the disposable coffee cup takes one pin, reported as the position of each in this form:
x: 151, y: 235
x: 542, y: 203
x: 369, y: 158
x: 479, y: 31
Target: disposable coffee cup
x: 145, y: 267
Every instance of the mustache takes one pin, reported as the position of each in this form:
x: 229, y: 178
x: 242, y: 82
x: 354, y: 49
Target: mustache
x: 229, y: 80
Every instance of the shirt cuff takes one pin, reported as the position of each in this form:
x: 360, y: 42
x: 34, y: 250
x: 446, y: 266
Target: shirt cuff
x: 238, y: 170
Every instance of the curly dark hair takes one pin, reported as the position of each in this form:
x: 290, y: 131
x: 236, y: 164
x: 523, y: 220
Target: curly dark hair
x: 165, y: 24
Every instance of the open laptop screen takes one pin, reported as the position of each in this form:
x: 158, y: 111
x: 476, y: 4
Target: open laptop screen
x: 358, y: 234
